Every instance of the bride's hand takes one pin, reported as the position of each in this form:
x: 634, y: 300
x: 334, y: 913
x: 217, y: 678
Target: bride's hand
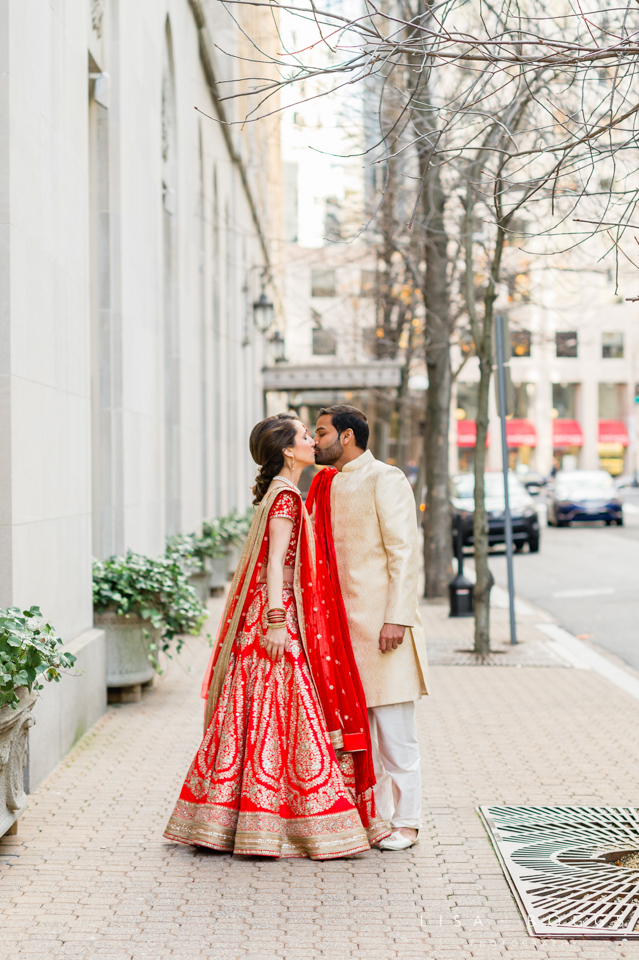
x: 275, y: 643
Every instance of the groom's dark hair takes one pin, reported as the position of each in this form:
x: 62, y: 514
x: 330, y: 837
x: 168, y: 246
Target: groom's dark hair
x: 344, y: 417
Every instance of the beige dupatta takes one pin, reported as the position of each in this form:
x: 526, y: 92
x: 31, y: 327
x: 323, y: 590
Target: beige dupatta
x: 245, y: 575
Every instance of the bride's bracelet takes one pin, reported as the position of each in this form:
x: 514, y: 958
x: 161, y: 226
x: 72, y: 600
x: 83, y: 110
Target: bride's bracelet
x: 276, y: 626
x: 276, y: 615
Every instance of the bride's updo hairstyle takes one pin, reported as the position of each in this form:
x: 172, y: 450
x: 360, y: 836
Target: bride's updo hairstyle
x: 268, y: 439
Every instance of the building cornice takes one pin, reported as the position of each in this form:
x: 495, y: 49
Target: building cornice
x: 351, y: 376
x: 206, y: 58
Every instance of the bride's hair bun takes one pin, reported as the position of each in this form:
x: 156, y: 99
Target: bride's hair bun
x: 268, y: 439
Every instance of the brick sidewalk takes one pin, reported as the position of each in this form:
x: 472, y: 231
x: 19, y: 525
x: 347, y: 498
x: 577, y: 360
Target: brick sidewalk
x: 89, y: 875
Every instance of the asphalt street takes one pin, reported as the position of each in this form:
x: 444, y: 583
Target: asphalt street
x: 587, y: 576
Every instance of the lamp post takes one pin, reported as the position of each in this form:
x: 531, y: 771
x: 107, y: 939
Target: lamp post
x: 279, y: 347
x: 500, y: 329
x: 263, y: 313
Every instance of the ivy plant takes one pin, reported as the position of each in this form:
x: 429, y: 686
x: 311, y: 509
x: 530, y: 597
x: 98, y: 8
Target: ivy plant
x: 155, y: 589
x: 212, y: 538
x: 234, y: 528
x: 187, y: 550
x: 29, y: 652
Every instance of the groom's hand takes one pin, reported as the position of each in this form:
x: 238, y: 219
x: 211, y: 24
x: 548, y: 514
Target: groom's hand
x: 390, y: 637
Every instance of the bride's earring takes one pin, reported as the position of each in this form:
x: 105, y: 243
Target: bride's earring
x: 292, y: 464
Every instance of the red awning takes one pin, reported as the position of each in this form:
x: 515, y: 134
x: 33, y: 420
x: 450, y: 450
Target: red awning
x: 467, y: 433
x: 521, y: 433
x: 567, y: 433
x: 613, y: 431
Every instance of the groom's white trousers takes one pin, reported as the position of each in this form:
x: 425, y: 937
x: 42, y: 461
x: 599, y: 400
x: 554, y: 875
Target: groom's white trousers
x: 398, y: 792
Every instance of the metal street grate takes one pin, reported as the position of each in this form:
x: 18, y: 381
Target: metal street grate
x: 562, y: 865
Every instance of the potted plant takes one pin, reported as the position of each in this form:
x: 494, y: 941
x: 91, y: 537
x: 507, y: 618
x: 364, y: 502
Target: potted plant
x: 143, y: 605
x: 213, y: 544
x: 233, y: 531
x: 189, y: 551
x: 29, y: 653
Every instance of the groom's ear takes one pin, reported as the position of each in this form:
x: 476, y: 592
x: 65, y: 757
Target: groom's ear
x: 347, y: 436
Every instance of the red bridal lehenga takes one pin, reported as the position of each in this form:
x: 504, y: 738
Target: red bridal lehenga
x: 284, y: 768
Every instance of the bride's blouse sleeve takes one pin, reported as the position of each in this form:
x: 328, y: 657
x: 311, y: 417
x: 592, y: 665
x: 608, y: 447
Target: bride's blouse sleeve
x: 285, y: 505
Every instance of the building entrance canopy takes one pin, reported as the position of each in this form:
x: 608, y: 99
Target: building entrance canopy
x: 335, y: 376
x: 567, y: 433
x: 613, y: 431
x: 521, y: 433
x: 467, y: 433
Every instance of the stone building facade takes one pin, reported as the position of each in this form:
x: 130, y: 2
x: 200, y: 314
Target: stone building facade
x: 135, y: 234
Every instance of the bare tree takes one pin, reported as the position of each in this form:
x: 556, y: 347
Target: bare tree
x: 503, y: 107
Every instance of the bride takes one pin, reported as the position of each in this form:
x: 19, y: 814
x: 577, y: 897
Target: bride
x: 284, y: 768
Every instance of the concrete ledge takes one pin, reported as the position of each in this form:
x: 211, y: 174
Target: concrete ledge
x: 66, y: 710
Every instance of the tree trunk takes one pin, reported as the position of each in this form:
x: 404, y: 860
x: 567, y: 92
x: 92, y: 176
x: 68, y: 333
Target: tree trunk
x: 403, y: 417
x: 437, y: 520
x: 484, y: 578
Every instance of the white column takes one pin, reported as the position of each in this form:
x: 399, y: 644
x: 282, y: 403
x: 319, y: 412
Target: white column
x: 453, y: 453
x: 588, y: 416
x: 543, y: 420
x: 493, y: 459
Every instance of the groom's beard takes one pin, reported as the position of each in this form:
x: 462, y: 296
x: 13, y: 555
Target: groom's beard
x: 329, y: 455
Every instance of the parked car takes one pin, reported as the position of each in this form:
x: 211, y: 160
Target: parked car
x: 584, y: 495
x: 626, y: 481
x: 522, y: 508
x: 533, y: 482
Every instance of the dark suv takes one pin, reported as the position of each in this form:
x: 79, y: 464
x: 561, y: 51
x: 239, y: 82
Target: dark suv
x: 522, y: 510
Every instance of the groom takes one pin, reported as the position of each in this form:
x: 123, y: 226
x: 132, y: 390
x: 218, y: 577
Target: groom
x: 374, y: 530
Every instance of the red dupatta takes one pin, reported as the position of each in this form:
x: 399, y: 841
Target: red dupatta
x: 319, y: 496
x: 323, y: 630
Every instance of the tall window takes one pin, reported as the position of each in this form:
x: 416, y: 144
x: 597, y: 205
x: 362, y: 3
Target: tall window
x: 322, y: 282
x: 332, y: 219
x: 172, y: 443
x: 467, y: 400
x: 520, y: 343
x: 612, y: 401
x: 367, y: 283
x: 612, y: 346
x: 290, y: 202
x: 324, y: 342
x: 524, y: 396
x: 564, y: 400
x: 566, y: 343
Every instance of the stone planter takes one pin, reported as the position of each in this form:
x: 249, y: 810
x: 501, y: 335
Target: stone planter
x: 14, y: 727
x: 219, y: 567
x: 200, y: 582
x: 127, y: 648
x: 233, y: 554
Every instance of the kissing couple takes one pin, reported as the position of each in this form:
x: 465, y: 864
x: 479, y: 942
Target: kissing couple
x: 310, y: 742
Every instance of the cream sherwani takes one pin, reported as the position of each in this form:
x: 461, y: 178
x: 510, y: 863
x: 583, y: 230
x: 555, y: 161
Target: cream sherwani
x: 377, y: 549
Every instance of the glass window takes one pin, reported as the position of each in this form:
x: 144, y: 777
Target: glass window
x: 367, y: 283
x: 467, y: 400
x: 520, y: 343
x: 564, y: 400
x: 612, y: 401
x: 612, y: 346
x: 524, y: 396
x: 332, y: 219
x: 322, y: 282
x: 324, y: 343
x: 566, y: 343
x: 466, y: 343
x: 463, y: 487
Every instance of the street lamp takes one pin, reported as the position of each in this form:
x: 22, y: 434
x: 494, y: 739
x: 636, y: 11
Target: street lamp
x: 279, y: 347
x: 263, y: 312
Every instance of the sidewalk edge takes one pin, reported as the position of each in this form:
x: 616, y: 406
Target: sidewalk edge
x: 585, y: 658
